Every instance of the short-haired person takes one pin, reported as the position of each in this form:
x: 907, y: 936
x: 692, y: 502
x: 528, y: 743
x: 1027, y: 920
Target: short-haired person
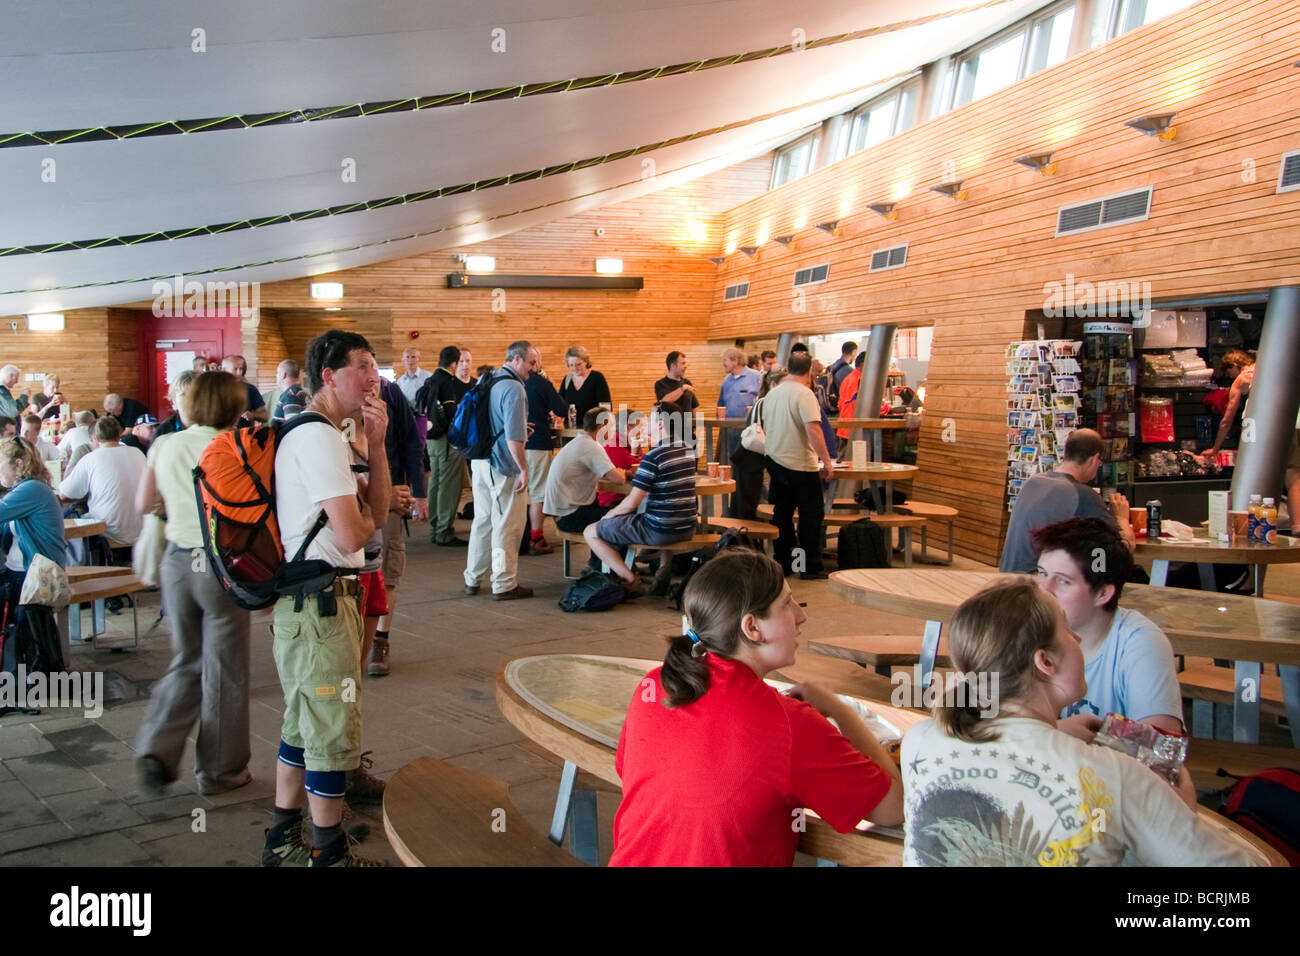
x: 1053, y: 496
x: 543, y: 402
x: 238, y: 367
x: 412, y: 376
x: 49, y: 399
x: 797, y: 463
x: 8, y: 427
x: 1128, y: 661
x: 675, y: 387
x: 127, y: 411
x: 625, y: 444
x: 848, y: 398
x: 108, y: 478
x: 31, y: 431
x: 500, y: 484
x: 77, y: 442
x: 769, y: 360
x: 292, y: 398
x: 583, y: 387
x: 175, y: 395
x: 991, y: 781
x: 465, y: 366
x: 737, y: 398
x: 208, y: 679
x: 665, y: 481
x: 754, y: 362
x: 840, y: 369
x: 141, y: 434
x: 11, y: 405
x: 446, y: 467
x: 717, y: 766
x: 317, y: 645
x: 570, y: 493
x: 1240, y: 367
x: 739, y: 388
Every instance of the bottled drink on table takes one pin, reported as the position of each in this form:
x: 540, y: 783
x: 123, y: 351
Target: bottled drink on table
x: 573, y: 416
x: 1268, y: 522
x: 1252, y: 521
x: 1153, y: 520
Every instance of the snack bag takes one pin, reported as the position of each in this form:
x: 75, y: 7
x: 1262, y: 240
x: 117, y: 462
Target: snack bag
x: 1163, y: 753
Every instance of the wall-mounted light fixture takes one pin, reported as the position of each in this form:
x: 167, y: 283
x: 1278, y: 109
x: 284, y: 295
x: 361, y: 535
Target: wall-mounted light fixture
x: 832, y: 227
x: 717, y: 260
x: 477, y: 263
x: 45, y: 322
x: 1159, y: 125
x: 327, y: 290
x: 1039, y: 162
x: 609, y: 266
x: 952, y: 190
x: 750, y: 251
x: 333, y: 308
x: 888, y: 210
x: 787, y: 241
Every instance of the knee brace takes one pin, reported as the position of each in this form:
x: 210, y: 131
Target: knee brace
x: 291, y: 756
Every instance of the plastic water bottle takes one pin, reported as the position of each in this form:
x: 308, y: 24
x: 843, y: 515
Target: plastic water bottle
x: 1268, y: 522
x: 1252, y: 520
x: 573, y: 416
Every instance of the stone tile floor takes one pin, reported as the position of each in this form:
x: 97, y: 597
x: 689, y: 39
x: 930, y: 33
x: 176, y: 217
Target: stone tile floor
x: 69, y: 794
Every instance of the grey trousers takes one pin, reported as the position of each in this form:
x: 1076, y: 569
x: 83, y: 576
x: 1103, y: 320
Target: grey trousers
x: 207, y: 680
x: 446, y: 478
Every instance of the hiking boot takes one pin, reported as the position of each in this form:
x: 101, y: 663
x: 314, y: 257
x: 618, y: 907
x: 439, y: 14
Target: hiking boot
x: 341, y: 854
x: 364, y: 789
x: 540, y: 546
x: 662, y: 580
x: 514, y: 594
x: 631, y: 589
x: 378, y: 658
x: 453, y: 543
x: 353, y: 825
x: 471, y: 589
x: 292, y: 851
x: 153, y: 775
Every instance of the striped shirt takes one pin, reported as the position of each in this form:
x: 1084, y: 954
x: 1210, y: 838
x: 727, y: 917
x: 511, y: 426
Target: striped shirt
x: 667, y: 475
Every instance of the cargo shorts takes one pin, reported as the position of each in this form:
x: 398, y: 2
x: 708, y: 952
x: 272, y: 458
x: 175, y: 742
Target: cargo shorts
x: 319, y: 663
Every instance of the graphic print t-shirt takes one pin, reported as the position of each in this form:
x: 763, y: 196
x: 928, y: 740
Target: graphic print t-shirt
x: 1038, y: 797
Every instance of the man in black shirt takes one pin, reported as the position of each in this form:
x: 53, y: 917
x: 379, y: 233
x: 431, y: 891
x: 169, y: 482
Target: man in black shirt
x: 127, y: 411
x: 437, y: 400
x: 675, y: 387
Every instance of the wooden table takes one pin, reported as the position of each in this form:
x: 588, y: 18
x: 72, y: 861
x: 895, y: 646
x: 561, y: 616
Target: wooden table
x: 82, y: 528
x: 1205, y: 553
x: 876, y: 426
x: 723, y: 448
x: 881, y: 474
x: 1247, y: 630
x: 706, y: 489
x: 574, y: 706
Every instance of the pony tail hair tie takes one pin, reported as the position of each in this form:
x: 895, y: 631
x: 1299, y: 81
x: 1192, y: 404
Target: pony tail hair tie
x: 698, y: 649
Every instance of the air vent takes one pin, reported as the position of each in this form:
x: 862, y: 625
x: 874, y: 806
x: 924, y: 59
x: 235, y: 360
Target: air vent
x: 1108, y: 211
x: 890, y: 258
x: 1289, y: 179
x: 812, y: 274
x: 737, y: 291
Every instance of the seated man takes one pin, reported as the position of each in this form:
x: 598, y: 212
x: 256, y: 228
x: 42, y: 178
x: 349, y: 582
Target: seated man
x: 31, y: 431
x: 1128, y: 662
x: 570, y: 496
x: 665, y: 481
x: 142, y: 433
x: 109, y: 476
x: 77, y: 442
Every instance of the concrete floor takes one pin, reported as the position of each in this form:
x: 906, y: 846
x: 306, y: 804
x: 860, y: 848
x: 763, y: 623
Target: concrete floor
x: 68, y: 789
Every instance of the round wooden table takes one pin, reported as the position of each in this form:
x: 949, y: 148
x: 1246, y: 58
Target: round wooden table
x: 881, y: 474
x: 1205, y: 552
x: 876, y: 426
x: 1247, y: 630
x: 574, y: 706
x: 721, y: 452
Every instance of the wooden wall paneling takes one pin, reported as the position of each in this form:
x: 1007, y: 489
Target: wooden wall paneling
x: 79, y: 355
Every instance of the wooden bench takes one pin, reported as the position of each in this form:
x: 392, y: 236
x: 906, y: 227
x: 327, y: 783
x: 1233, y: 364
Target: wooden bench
x: 837, y: 676
x: 930, y: 512
x: 91, y: 572
x: 758, y: 530
x: 570, y: 538
x: 880, y: 652
x: 1206, y: 757
x: 95, y: 590
x: 905, y: 524
x: 439, y: 815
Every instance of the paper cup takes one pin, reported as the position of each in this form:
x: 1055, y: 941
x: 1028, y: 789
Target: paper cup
x: 713, y: 469
x: 724, y: 472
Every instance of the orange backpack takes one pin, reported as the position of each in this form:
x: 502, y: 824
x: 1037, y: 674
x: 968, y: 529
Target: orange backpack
x: 234, y: 484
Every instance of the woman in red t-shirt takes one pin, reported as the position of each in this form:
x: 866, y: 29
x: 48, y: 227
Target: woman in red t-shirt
x: 631, y: 437
x: 717, y: 767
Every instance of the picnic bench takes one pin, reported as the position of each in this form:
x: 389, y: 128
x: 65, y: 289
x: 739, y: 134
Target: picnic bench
x: 569, y: 538
x: 94, y: 589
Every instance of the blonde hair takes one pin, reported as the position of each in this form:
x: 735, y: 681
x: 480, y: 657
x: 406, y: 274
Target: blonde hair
x: 17, y: 449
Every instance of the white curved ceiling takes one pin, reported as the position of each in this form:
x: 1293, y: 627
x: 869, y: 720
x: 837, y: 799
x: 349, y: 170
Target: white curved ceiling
x: 80, y: 64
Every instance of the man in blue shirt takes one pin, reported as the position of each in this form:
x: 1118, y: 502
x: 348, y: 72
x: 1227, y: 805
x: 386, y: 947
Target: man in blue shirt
x: 414, y: 377
x: 543, y: 402
x: 500, y: 484
x: 739, y: 388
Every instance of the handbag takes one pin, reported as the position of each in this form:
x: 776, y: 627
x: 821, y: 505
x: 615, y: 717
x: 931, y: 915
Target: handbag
x: 146, y: 556
x: 753, y: 437
x: 46, y: 583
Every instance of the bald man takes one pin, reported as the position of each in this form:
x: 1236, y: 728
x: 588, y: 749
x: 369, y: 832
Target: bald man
x: 1058, y: 495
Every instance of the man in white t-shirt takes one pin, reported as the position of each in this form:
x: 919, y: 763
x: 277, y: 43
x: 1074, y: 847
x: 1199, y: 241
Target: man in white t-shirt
x: 108, y: 478
x: 571, y: 483
x: 317, y: 645
x: 795, y: 444
x: 78, y: 436
x: 31, y: 430
x: 1128, y: 661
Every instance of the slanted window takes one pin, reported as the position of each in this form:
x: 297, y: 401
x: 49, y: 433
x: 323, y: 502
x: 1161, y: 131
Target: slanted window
x: 795, y: 160
x: 1031, y: 45
x: 1128, y: 15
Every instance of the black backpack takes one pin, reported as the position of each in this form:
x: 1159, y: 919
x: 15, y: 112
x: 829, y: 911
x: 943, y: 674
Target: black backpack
x: 426, y: 403
x: 697, y: 560
x: 594, y: 591
x: 863, y: 544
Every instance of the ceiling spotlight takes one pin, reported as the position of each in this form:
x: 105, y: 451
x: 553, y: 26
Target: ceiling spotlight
x: 1042, y: 162
x: 952, y: 190
x: 717, y: 260
x: 1158, y: 125
x: 750, y: 251
x: 832, y: 227
x: 786, y: 241
x: 887, y: 209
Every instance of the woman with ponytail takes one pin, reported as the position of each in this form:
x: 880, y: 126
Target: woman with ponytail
x: 717, y: 767
x: 991, y: 781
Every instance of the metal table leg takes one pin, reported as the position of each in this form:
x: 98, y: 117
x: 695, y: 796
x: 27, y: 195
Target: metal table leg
x: 1159, y: 573
x: 1206, y: 574
x: 929, y: 650
x: 577, y: 807
x: 1291, y: 698
x: 1245, y: 712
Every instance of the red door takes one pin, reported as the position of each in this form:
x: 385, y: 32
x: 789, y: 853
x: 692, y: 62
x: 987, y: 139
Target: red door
x: 169, y: 347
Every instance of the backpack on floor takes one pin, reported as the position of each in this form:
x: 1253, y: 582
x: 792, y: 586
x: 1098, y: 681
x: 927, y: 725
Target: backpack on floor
x: 594, y: 591
x: 697, y: 560
x: 1268, y: 805
x: 234, y: 484
x: 863, y: 544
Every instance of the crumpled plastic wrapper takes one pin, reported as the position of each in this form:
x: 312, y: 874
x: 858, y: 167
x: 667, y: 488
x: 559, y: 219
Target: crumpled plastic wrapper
x: 1163, y: 753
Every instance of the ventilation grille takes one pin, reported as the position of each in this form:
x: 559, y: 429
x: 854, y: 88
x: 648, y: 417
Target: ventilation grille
x: 737, y: 291
x: 890, y: 258
x: 1289, y: 178
x: 812, y: 274
x: 1109, y: 211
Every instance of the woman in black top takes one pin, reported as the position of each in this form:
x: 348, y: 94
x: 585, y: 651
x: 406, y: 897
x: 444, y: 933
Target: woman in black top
x: 583, y: 387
